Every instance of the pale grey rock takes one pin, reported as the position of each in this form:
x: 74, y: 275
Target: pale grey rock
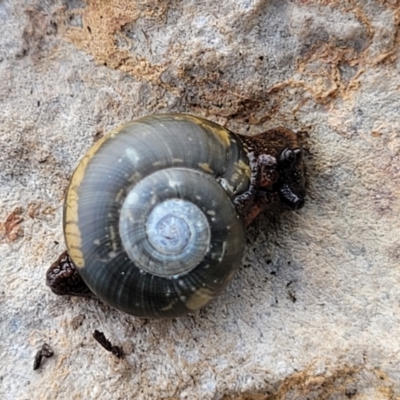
x: 314, y: 310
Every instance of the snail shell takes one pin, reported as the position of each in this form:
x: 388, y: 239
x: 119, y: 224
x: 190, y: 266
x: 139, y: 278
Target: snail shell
x: 149, y: 219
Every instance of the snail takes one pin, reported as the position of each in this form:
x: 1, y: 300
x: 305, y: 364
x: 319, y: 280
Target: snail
x: 155, y: 213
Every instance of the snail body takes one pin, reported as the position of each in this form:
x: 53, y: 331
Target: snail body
x: 155, y: 213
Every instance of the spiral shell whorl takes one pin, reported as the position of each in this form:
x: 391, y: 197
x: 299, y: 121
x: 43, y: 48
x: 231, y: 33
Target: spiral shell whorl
x: 124, y: 228
x: 163, y: 224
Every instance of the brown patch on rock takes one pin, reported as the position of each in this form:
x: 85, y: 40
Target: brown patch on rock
x: 12, y: 228
x: 102, y: 22
x: 49, y: 210
x: 249, y: 396
x: 33, y: 209
x: 322, y: 66
x: 343, y: 383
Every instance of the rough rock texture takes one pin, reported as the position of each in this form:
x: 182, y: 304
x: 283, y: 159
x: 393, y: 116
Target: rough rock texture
x: 314, y: 312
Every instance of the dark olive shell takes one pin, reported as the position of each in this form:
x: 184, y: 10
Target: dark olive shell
x: 149, y: 220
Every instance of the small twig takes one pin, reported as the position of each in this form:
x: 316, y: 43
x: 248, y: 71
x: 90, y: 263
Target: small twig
x: 45, y: 351
x: 105, y: 343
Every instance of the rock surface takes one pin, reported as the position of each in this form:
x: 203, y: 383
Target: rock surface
x: 314, y: 309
